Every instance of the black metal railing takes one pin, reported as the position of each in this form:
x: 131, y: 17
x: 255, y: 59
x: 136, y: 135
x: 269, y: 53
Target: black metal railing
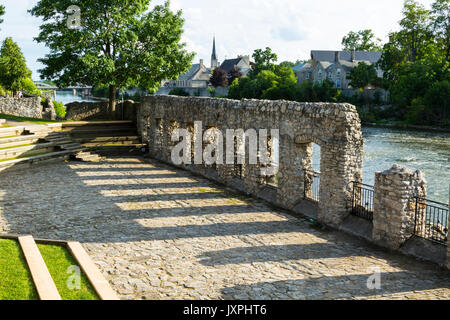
x: 362, y: 201
x: 311, y: 185
x: 431, y: 220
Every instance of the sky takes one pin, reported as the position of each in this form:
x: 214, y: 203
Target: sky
x: 292, y: 28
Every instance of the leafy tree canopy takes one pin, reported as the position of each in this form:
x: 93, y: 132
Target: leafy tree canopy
x: 440, y: 25
x: 264, y: 60
x: 363, y: 75
x: 363, y: 40
x: 119, y: 44
x: 13, y: 67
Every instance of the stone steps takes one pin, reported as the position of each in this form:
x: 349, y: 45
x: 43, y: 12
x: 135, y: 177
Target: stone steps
x: 77, y: 124
x: 42, y: 279
x: 109, y: 139
x: 19, y: 140
x: 26, y: 162
x: 29, y: 150
x: 126, y: 149
x: 78, y: 141
x: 11, y: 131
x: 78, y: 152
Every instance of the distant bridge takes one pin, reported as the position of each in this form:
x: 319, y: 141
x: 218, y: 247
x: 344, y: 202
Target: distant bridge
x: 85, y: 90
x: 45, y: 86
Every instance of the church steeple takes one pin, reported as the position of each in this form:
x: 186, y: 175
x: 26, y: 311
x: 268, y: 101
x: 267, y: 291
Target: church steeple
x: 214, y: 60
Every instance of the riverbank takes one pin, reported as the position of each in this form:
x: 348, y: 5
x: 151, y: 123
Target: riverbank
x: 406, y: 127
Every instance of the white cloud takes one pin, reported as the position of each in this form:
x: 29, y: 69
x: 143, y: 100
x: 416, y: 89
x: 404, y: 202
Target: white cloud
x: 292, y: 28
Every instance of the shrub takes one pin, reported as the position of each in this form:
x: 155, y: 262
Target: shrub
x: 178, y: 92
x: 60, y: 109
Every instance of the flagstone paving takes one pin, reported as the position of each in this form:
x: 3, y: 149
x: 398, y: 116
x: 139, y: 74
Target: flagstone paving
x: 161, y: 233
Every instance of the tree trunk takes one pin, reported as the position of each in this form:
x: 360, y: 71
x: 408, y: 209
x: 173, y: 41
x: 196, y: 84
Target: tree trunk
x: 112, y: 101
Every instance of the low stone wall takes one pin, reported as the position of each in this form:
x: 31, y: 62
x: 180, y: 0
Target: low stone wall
x: 83, y: 111
x: 22, y: 107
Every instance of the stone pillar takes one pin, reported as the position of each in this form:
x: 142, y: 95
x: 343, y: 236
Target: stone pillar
x: 394, y: 205
x: 294, y: 159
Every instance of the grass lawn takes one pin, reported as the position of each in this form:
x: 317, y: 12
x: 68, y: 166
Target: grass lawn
x: 58, y: 259
x: 15, y: 279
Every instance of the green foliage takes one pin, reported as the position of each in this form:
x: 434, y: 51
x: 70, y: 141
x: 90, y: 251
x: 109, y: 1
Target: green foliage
x: 264, y: 60
x: 29, y: 87
x: 120, y: 44
x: 212, y: 91
x: 440, y: 25
x: 363, y: 75
x: 2, y: 91
x: 60, y: 109
x: 416, y: 66
x: 178, y: 92
x: 363, y: 40
x: 13, y: 68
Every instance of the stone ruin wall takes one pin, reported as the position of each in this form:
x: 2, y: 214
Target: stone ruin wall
x: 336, y: 128
x: 91, y: 111
x: 22, y: 107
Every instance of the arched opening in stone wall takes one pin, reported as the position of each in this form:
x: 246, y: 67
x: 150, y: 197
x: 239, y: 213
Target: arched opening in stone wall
x: 312, y: 175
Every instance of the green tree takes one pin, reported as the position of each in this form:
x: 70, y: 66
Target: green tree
x: 363, y: 40
x: 119, y: 44
x: 363, y: 75
x: 29, y: 87
x: 415, y: 34
x: 440, y: 25
x: 264, y: 60
x: 13, y: 67
x: 414, y: 80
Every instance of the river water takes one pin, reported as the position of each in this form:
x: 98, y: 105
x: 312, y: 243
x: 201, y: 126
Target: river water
x: 383, y: 147
x: 68, y: 97
x: 428, y: 152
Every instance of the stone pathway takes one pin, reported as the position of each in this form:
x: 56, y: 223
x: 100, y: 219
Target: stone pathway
x: 161, y: 233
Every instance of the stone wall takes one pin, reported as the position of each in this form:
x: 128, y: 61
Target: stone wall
x: 22, y: 107
x: 335, y: 127
x: 83, y: 111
